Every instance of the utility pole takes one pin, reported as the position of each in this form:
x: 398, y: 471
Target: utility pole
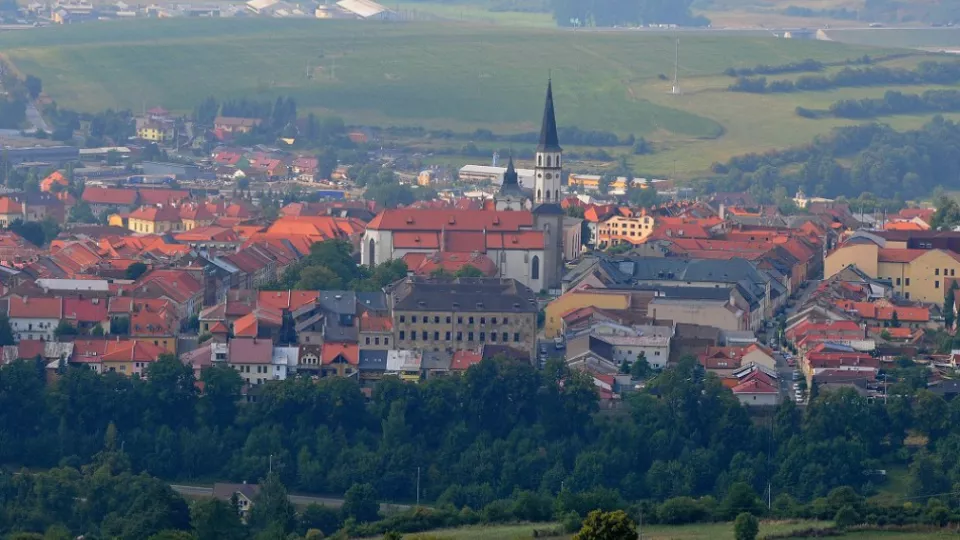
x: 271, y: 463
x: 769, y: 495
x: 676, y: 71
x: 418, y: 486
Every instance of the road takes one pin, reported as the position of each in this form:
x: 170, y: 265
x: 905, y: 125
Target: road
x: 33, y: 116
x: 300, y: 500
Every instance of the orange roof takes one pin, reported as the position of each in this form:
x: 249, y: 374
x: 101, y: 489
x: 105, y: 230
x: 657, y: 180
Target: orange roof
x: 28, y: 349
x: 9, y: 206
x: 349, y: 351
x: 54, y: 178
x: 35, y: 308
x: 450, y: 261
x: 904, y: 226
x: 210, y: 233
x: 869, y: 310
x: 321, y: 227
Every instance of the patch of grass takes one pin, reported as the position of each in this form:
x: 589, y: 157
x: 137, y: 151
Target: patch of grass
x: 935, y: 38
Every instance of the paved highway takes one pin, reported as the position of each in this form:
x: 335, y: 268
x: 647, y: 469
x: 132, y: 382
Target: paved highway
x: 301, y: 500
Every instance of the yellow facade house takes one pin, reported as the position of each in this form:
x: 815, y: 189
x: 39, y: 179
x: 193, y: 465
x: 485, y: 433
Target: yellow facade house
x: 576, y: 299
x: 620, y: 229
x: 155, y: 220
x: 916, y: 274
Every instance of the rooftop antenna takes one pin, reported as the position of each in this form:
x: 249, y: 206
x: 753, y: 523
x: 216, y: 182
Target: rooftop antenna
x: 676, y: 72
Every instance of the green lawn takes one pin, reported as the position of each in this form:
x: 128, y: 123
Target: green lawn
x: 450, y: 75
x: 915, y: 38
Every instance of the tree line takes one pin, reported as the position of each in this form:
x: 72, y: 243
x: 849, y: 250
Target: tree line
x: 792, y: 67
x: 894, y: 102
x: 875, y: 159
x: 925, y: 73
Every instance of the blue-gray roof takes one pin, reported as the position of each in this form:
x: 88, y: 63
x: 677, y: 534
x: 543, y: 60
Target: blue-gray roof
x: 373, y: 360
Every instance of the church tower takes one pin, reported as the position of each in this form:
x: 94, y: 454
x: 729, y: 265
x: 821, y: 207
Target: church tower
x: 548, y: 169
x: 547, y: 212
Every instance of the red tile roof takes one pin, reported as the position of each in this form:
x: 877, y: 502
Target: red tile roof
x: 9, y: 206
x: 85, y: 310
x: 893, y: 255
x: 135, y: 350
x: 451, y: 220
x: 211, y: 233
x: 449, y: 261
x: 153, y: 213
x: 28, y: 349
x: 287, y: 300
x: 111, y: 196
x: 35, y: 308
x: 373, y: 323
x: 464, y: 359
x: 166, y: 197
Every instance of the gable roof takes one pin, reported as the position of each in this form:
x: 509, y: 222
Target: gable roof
x: 35, y: 308
x: 110, y: 196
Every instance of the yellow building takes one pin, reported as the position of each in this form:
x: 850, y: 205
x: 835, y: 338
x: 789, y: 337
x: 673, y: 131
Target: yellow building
x: 426, y: 178
x: 195, y: 215
x: 155, y: 220
x: 152, y: 132
x: 576, y: 299
x: 916, y: 274
x: 620, y: 229
x: 591, y: 182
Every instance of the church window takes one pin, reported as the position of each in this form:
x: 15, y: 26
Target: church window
x: 539, y: 161
x: 548, y: 176
x: 539, y: 194
x: 548, y: 161
x: 535, y: 268
x: 373, y: 256
x: 548, y: 194
x: 558, y: 194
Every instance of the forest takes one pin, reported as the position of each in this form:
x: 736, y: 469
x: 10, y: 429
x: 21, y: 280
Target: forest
x: 872, y: 158
x: 679, y: 449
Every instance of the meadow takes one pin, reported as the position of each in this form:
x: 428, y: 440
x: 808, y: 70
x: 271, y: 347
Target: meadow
x: 449, y: 75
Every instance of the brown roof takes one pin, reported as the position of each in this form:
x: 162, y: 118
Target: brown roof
x: 154, y: 213
x: 451, y: 220
x: 250, y: 351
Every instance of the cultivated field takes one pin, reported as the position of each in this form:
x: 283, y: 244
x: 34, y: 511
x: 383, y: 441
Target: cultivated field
x: 450, y: 75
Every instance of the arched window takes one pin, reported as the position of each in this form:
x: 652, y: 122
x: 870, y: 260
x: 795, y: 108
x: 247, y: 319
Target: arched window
x: 548, y: 161
x: 557, y: 195
x: 539, y: 161
x: 539, y: 194
x: 535, y: 268
x: 548, y: 194
x: 373, y: 253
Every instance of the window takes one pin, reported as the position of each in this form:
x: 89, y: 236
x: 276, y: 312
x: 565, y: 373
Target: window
x: 493, y: 337
x: 898, y: 281
x: 459, y: 320
x: 516, y: 337
x: 447, y: 336
x: 483, y: 320
x: 493, y: 320
x: 470, y: 320
x: 402, y: 335
x: 403, y: 318
x: 906, y: 282
x: 907, y: 296
x: 936, y: 272
x: 386, y: 341
x: 424, y: 334
x: 469, y: 336
x: 376, y: 341
x: 505, y: 337
x: 535, y: 268
x: 459, y: 336
x: 436, y: 336
x: 448, y: 319
x: 483, y: 336
x: 506, y: 321
x: 413, y: 318
x: 953, y: 272
x: 936, y: 284
x: 368, y: 340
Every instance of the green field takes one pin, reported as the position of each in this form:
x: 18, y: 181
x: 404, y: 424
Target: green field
x: 450, y: 75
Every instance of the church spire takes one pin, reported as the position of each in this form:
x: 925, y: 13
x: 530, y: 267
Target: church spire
x: 511, y: 181
x: 549, y: 141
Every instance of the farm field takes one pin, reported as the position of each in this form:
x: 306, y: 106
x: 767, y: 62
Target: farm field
x: 711, y: 531
x: 457, y: 76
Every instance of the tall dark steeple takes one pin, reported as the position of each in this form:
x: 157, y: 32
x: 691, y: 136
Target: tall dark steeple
x: 549, y: 141
x: 510, y: 177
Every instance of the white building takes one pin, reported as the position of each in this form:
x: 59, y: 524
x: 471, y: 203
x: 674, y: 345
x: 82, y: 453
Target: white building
x: 34, y: 318
x: 486, y: 173
x: 508, y: 238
